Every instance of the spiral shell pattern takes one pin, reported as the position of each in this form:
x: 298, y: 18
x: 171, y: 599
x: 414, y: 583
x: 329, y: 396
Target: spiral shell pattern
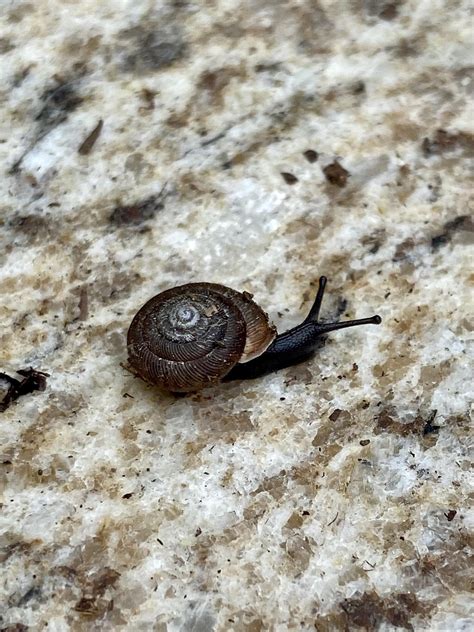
x: 191, y: 336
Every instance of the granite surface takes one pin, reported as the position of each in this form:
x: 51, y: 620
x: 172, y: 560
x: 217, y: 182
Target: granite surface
x: 257, y: 144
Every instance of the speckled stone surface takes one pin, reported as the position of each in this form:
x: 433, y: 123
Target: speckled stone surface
x: 328, y: 496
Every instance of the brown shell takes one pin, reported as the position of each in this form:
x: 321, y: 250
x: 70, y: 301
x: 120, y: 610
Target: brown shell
x: 191, y: 336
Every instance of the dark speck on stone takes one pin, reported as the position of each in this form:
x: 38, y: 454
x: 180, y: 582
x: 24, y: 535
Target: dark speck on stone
x: 289, y: 178
x: 336, y: 174
x: 311, y: 155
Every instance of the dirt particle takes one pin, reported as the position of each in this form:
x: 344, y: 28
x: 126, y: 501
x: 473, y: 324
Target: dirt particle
x: 336, y: 174
x: 311, y: 155
x: 334, y: 416
x: 289, y: 178
x: 89, y: 142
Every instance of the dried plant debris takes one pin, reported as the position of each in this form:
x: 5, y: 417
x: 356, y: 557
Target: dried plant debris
x: 89, y: 142
x: 32, y: 380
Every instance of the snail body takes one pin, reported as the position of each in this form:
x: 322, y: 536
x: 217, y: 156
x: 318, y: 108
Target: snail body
x: 198, y: 334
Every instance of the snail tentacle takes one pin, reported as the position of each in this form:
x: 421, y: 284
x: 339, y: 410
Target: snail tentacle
x: 297, y: 344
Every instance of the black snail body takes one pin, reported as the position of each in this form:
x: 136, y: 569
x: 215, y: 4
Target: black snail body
x: 194, y: 335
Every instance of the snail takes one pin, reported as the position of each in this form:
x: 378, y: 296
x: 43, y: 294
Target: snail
x: 198, y: 334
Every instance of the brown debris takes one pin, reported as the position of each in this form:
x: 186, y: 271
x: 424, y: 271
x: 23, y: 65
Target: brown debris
x: 89, y: 142
x: 335, y: 414
x: 311, y: 155
x: 32, y: 381
x: 336, y: 174
x: 289, y: 178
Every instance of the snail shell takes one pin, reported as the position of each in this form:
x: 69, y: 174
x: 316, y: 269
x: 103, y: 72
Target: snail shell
x: 192, y: 335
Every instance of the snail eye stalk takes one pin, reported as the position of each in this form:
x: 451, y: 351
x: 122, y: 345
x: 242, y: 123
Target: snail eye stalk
x: 297, y: 344
x: 314, y: 311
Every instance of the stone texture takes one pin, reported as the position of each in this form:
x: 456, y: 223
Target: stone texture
x: 329, y: 496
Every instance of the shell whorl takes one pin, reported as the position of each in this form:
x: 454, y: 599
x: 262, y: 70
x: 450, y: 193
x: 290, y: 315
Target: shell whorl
x: 192, y: 335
